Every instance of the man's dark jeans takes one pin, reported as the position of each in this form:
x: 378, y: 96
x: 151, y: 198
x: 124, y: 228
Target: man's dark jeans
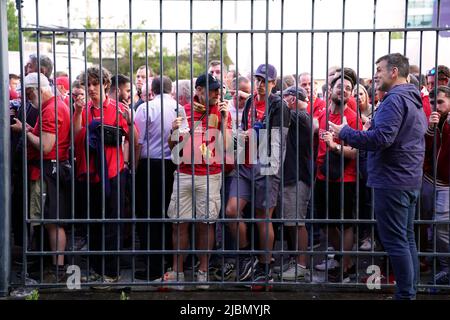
x: 395, y: 212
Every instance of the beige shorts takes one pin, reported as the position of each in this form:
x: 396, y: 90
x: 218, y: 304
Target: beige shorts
x: 295, y: 203
x: 35, y: 199
x: 180, y: 206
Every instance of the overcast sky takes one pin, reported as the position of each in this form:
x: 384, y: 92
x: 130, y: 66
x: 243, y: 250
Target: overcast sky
x: 237, y: 16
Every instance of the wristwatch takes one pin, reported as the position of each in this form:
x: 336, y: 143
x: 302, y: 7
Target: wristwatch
x: 338, y: 148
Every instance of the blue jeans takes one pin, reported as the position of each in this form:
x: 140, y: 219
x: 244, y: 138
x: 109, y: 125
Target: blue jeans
x: 395, y: 212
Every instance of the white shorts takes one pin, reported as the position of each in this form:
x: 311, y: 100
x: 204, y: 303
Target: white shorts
x: 180, y: 206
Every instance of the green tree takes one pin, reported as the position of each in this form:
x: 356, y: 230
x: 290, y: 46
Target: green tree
x: 214, y: 41
x: 138, y: 54
x: 199, y: 63
x: 13, y: 27
x: 89, y: 25
x: 170, y: 62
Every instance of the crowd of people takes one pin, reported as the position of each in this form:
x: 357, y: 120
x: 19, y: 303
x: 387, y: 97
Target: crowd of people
x: 205, y: 169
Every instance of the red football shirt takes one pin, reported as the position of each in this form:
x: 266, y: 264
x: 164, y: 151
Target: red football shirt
x: 260, y: 108
x: 49, y: 125
x: 111, y: 118
x: 318, y: 106
x: 350, y: 167
x: 260, y: 112
x: 426, y: 104
x: 203, y: 142
x: 351, y: 103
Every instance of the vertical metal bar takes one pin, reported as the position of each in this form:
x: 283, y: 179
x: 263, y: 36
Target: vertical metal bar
x: 358, y: 116
x: 222, y: 129
x: 266, y: 83
x: 56, y: 147
x: 131, y: 148
x: 206, y: 139
x: 147, y: 225
x: 341, y: 204
x: 194, y: 235
x: 102, y: 135
x: 24, y: 147
x: 282, y: 163
x: 311, y: 137
x: 253, y: 115
x: 41, y: 164
x: 5, y: 160
x: 236, y: 104
x: 297, y: 160
x: 436, y: 78
x: 235, y: 237
x: 406, y: 26
x: 147, y: 234
x: 419, y: 214
x: 72, y: 148
x: 192, y: 121
x: 389, y: 41
x: 116, y: 75
x: 327, y: 164
x: 281, y: 145
x: 191, y: 59
x: 372, y: 214
x: 161, y: 92
x: 178, y: 114
x: 88, y: 184
x: 420, y: 59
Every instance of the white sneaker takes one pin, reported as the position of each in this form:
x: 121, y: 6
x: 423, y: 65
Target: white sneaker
x: 172, y: 276
x: 330, y: 255
x: 106, y: 282
x: 327, y: 264
x: 287, y: 263
x: 202, y: 276
x: 366, y: 244
x: 296, y: 272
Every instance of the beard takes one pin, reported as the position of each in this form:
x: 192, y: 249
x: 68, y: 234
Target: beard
x: 383, y: 87
x: 337, y: 100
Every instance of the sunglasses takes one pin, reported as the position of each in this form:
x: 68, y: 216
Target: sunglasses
x: 432, y: 72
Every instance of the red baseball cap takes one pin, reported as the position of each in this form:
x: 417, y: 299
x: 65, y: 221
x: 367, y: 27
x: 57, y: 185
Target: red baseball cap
x: 64, y: 81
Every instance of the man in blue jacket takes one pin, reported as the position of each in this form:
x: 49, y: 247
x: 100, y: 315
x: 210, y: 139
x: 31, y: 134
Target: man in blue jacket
x: 396, y: 148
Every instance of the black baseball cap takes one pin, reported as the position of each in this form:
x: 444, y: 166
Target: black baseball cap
x: 296, y: 91
x: 349, y: 74
x: 213, y: 82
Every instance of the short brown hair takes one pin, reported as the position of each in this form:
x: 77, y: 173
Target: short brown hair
x: 398, y: 61
x: 156, y: 85
x: 443, y: 89
x: 77, y: 84
x: 151, y: 73
x: 214, y: 63
x: 95, y: 74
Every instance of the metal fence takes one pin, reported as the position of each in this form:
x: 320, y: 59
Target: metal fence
x: 114, y: 228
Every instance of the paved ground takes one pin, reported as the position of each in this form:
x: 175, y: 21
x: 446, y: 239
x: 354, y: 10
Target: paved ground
x: 317, y: 290
x: 247, y: 295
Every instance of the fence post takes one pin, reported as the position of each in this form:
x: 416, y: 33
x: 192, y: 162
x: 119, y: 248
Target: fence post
x: 5, y: 179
